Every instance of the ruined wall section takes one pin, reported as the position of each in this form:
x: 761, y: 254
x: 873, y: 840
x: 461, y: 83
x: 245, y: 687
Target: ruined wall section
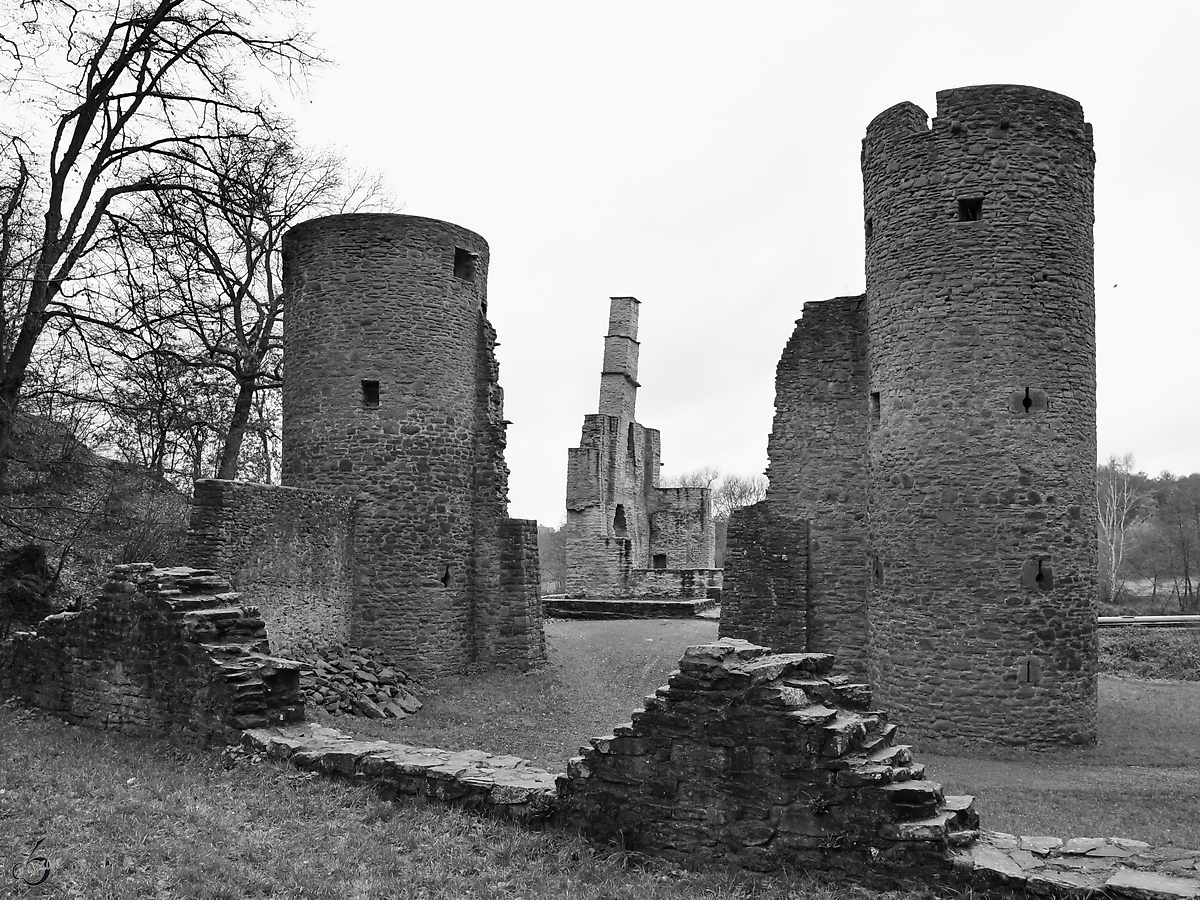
x: 683, y: 534
x: 610, y: 478
x: 765, y: 589
x: 765, y: 761
x: 981, y: 482
x: 162, y: 652
x: 817, y: 471
x: 292, y: 549
x: 391, y: 394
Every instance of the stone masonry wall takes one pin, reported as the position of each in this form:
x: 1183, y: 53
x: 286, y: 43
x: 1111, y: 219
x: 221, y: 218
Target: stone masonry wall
x: 762, y: 761
x: 392, y: 394
x: 682, y: 528
x: 290, y: 548
x: 674, y: 584
x: 981, y: 480
x: 765, y: 590
x: 161, y: 652
x: 817, y: 472
x: 618, y: 519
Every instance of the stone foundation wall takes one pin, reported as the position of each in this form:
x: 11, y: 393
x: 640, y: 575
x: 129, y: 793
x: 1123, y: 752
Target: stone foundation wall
x: 292, y: 549
x: 161, y: 652
x: 765, y: 592
x: 675, y: 584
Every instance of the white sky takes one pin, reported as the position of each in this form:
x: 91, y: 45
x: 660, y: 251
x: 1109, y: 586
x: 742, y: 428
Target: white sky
x: 704, y: 158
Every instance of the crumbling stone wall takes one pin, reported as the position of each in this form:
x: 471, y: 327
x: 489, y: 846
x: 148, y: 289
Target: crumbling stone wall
x: 161, y: 652
x: 290, y: 548
x: 683, y: 534
x: 392, y: 399
x: 765, y: 590
x: 618, y: 518
x: 763, y: 761
x: 675, y: 584
x: 938, y: 434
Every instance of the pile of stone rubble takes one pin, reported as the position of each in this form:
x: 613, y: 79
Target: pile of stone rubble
x: 357, y: 682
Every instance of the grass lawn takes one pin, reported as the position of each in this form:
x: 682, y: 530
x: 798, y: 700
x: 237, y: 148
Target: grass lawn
x: 125, y: 818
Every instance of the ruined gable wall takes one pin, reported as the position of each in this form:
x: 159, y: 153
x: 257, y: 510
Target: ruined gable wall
x: 817, y: 471
x: 291, y: 549
x: 682, y: 527
x: 610, y: 478
x: 982, y: 464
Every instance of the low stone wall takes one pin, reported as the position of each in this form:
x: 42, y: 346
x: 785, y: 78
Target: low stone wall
x: 504, y: 786
x: 162, y: 651
x: 675, y: 584
x: 291, y: 548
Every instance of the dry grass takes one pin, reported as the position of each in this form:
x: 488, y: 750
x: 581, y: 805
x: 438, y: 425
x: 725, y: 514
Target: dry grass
x: 123, y: 818
x: 127, y: 818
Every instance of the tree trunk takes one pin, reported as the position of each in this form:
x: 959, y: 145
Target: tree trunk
x: 237, y: 430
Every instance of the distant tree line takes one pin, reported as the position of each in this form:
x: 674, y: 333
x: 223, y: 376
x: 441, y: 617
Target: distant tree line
x: 1149, y: 536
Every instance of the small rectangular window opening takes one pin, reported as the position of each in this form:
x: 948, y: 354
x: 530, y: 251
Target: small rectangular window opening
x: 660, y: 560
x: 970, y: 210
x: 464, y: 264
x: 370, y: 393
x: 874, y: 407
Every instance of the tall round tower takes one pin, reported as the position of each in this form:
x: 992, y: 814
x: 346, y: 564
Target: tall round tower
x: 391, y: 393
x: 982, y: 416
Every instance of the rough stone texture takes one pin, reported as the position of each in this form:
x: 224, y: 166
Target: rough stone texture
x: 162, y: 651
x: 940, y: 434
x: 765, y: 592
x: 291, y: 549
x: 982, y: 465
x: 504, y: 786
x: 392, y: 396
x: 682, y: 532
x: 618, y: 518
x: 759, y: 760
x: 818, y: 471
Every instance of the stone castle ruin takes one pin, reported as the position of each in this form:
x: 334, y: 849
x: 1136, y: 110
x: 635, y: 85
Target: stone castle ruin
x: 391, y: 529
x: 625, y: 535
x: 931, y: 510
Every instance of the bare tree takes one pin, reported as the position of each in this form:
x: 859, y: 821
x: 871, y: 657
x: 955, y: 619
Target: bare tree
x: 127, y: 90
x: 1122, y: 499
x: 218, y: 256
x: 735, y: 491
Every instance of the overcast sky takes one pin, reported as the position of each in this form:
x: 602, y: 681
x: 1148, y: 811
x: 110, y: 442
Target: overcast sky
x: 704, y: 158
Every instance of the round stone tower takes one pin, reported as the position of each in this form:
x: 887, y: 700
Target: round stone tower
x: 391, y: 393
x: 982, y: 416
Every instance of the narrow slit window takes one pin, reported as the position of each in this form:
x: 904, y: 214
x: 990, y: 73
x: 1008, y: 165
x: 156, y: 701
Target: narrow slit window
x: 874, y: 407
x: 370, y: 394
x: 464, y: 264
x: 446, y: 577
x: 970, y: 209
x: 870, y: 227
